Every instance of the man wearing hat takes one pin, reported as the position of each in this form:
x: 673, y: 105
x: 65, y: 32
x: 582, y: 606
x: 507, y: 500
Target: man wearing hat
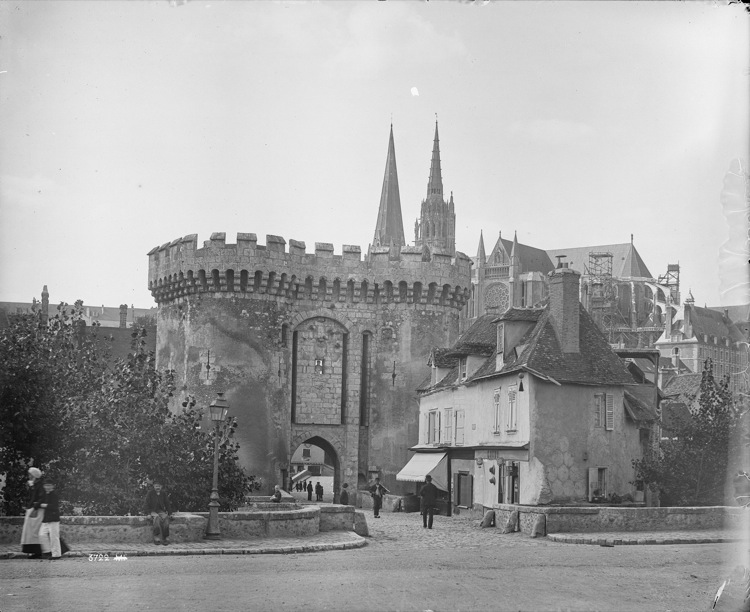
x: 428, y: 493
x: 158, y: 506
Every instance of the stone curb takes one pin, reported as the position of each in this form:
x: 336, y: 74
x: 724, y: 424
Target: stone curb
x: 598, y: 540
x: 355, y: 541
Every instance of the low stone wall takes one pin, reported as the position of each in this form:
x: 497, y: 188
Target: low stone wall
x: 115, y: 529
x: 298, y: 522
x: 262, y: 520
x: 336, y: 518
x: 586, y: 519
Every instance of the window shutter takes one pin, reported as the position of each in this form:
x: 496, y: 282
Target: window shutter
x: 439, y: 429
x: 456, y: 490
x: 610, y: 421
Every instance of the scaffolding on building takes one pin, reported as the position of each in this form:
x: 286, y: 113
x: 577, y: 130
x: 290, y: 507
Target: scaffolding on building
x: 671, y: 279
x: 603, y: 294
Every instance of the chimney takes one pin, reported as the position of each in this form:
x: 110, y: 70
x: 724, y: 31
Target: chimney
x: 123, y: 315
x: 564, y: 287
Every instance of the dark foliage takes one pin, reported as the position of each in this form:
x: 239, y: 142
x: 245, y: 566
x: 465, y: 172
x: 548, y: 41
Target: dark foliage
x: 103, y: 427
x: 691, y: 466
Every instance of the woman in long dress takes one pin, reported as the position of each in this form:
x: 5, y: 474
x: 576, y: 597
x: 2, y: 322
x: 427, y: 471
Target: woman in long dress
x: 31, y: 524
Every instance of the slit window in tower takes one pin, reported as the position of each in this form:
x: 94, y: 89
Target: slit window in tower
x: 319, y: 366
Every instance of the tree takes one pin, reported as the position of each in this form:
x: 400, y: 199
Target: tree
x: 103, y: 426
x: 690, y: 468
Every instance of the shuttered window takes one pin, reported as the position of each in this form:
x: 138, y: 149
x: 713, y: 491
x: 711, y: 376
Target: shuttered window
x: 599, y: 410
x: 448, y: 432
x: 460, y: 426
x: 610, y: 412
x: 511, y: 422
x: 433, y: 427
x: 496, y: 406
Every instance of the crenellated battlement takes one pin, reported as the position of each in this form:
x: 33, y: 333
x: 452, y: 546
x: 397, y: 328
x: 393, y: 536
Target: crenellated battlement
x: 384, y: 275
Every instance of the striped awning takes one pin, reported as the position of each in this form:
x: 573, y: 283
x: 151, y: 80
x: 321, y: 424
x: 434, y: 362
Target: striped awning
x: 422, y: 464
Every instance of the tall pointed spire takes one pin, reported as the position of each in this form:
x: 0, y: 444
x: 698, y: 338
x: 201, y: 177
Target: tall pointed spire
x: 389, y: 230
x: 435, y: 184
x: 481, y: 255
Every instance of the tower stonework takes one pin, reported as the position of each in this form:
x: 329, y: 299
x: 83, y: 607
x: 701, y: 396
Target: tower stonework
x: 435, y: 230
x: 308, y: 347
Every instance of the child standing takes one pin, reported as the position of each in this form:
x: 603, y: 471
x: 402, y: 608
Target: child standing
x: 49, y: 533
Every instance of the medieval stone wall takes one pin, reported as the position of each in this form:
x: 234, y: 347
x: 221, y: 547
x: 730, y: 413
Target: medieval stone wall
x: 320, y: 347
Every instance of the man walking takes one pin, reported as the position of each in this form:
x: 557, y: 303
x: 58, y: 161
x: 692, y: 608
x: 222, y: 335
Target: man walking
x: 377, y: 491
x: 428, y: 493
x: 157, y: 505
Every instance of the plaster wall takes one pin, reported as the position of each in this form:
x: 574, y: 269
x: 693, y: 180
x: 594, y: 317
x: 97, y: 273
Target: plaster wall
x: 566, y: 444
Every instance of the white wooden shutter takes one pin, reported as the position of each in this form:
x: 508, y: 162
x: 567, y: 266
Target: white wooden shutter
x: 460, y: 426
x: 610, y: 414
x: 439, y: 429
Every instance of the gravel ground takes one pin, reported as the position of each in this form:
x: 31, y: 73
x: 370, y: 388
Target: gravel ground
x: 455, y: 566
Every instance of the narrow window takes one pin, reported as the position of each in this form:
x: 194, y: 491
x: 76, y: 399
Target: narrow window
x: 320, y: 366
x: 460, y: 418
x: 294, y: 377
x: 599, y: 410
x: 462, y: 368
x: 610, y: 412
x: 364, y: 382
x: 512, y: 416
x: 432, y: 419
x: 448, y: 433
x: 496, y: 406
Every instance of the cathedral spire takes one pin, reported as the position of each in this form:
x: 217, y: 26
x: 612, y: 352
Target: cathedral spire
x: 435, y: 184
x: 389, y: 230
x: 481, y: 255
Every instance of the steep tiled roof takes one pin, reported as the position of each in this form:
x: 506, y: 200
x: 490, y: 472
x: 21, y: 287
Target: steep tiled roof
x: 739, y: 313
x: 521, y: 314
x: 440, y: 359
x: 638, y: 402
x: 594, y: 364
x: 530, y: 258
x: 479, y: 339
x: 683, y: 385
x: 626, y: 262
x: 706, y: 321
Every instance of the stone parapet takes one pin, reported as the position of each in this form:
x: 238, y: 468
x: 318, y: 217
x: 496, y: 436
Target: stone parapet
x: 609, y: 518
x: 409, y: 275
x: 113, y: 529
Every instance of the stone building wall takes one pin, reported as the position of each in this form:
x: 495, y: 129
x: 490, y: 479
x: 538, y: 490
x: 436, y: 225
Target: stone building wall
x: 251, y: 320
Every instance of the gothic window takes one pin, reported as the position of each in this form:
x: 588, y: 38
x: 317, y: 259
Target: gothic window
x: 496, y: 296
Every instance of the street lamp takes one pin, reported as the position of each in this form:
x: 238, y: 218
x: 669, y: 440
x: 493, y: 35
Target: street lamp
x: 218, y: 411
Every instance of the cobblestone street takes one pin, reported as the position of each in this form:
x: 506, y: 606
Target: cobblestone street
x: 454, y: 566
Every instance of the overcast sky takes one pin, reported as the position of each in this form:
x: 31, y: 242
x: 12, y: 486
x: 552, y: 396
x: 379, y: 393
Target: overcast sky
x: 126, y: 125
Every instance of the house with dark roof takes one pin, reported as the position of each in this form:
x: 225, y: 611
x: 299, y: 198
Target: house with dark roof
x: 698, y: 334
x: 538, y: 409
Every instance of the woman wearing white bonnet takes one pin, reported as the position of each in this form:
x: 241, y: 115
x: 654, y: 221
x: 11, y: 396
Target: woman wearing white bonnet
x: 33, y: 518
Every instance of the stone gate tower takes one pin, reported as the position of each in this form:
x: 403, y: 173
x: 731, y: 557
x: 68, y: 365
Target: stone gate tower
x: 317, y: 347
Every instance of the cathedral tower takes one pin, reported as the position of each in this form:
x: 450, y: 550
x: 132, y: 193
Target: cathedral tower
x: 389, y: 230
x: 436, y: 227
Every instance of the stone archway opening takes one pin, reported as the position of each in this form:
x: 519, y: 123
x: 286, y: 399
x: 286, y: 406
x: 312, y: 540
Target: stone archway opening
x: 316, y: 461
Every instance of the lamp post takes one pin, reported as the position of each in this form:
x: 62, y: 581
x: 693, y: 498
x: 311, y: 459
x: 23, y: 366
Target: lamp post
x: 218, y: 411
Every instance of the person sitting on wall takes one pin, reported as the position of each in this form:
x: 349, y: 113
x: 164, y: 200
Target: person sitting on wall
x: 276, y: 497
x: 344, y: 495
x: 158, y: 506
